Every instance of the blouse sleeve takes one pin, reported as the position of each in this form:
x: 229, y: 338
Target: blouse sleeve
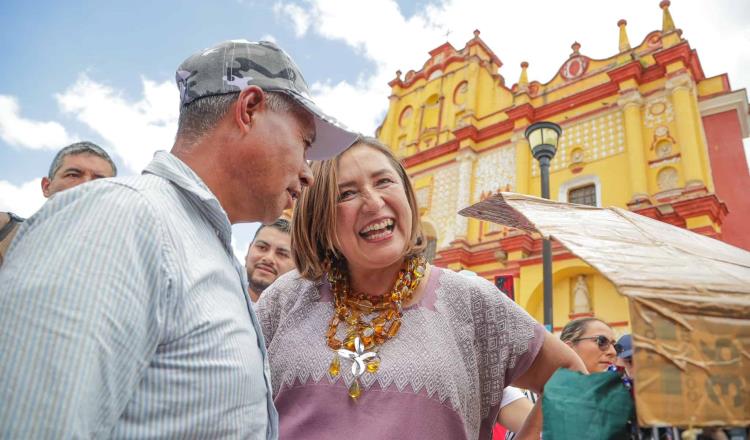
x: 277, y: 299
x: 508, y: 340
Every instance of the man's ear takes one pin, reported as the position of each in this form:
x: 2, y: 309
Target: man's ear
x: 250, y: 101
x: 45, y: 186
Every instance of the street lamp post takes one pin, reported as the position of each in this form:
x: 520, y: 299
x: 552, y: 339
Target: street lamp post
x: 543, y: 137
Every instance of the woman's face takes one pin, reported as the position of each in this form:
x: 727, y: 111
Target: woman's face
x: 373, y: 217
x: 588, y: 347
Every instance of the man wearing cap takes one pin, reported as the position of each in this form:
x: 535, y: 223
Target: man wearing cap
x: 625, y: 355
x: 139, y: 324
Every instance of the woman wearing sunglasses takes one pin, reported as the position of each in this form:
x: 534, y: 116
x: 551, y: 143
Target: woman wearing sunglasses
x: 594, y: 342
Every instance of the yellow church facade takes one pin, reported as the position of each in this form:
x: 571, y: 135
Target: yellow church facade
x: 643, y: 129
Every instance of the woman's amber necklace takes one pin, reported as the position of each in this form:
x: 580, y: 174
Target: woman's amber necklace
x: 364, y: 337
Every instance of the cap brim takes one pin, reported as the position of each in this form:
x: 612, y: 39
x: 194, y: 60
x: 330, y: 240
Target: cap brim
x: 331, y: 136
x: 626, y: 354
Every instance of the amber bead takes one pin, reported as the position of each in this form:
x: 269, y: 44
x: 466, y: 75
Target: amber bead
x: 349, y: 344
x: 352, y: 319
x: 334, y: 343
x: 334, y: 368
x: 367, y: 335
x: 354, y: 390
x: 373, y: 365
x: 393, y: 330
x: 331, y: 331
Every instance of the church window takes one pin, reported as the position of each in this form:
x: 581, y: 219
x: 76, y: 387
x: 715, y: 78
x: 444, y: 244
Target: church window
x: 584, y: 195
x: 459, y: 94
x: 405, y: 117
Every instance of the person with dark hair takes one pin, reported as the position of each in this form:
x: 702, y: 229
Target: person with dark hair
x: 367, y: 339
x: 593, y: 340
x: 75, y: 164
x: 125, y: 312
x: 268, y: 256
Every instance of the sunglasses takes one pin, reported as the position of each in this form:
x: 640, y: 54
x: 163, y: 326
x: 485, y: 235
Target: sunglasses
x: 603, y: 343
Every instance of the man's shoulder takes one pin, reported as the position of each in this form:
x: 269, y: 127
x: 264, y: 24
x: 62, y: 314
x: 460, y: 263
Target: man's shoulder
x: 140, y: 191
x: 104, y: 202
x: 148, y: 185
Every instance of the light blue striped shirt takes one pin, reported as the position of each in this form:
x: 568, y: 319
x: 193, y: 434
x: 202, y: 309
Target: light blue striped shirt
x: 124, y: 314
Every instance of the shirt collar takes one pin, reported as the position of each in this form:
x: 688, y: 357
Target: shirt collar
x: 171, y: 168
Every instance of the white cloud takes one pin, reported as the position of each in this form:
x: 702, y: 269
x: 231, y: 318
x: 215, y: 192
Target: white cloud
x: 134, y: 130
x: 338, y: 98
x: 21, y: 132
x: 23, y: 200
x: 537, y: 31
x: 268, y: 37
x: 300, y: 18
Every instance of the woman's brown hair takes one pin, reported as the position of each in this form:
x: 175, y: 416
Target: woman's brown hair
x: 576, y: 328
x: 314, y: 241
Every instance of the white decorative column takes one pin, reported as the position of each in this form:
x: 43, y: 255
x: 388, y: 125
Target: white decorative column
x: 465, y: 158
x: 681, y: 88
x: 630, y: 103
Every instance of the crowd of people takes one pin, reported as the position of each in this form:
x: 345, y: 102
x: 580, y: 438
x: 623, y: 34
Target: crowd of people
x: 141, y: 323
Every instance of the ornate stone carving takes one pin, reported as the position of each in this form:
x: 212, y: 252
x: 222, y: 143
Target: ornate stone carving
x: 465, y: 159
x: 667, y: 179
x: 577, y: 156
x: 659, y: 112
x: 632, y: 97
x: 680, y: 81
x: 574, y: 67
x: 599, y: 137
x: 663, y: 149
x: 443, y: 206
x: 495, y: 170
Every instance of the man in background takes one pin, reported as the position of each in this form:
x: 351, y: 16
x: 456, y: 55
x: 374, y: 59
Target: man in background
x: 76, y: 164
x: 73, y: 165
x: 269, y: 256
x: 625, y: 354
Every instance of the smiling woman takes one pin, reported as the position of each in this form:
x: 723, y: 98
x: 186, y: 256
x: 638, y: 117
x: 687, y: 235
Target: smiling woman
x: 367, y: 334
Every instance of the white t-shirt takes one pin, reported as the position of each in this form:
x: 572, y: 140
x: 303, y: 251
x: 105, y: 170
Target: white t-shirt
x: 510, y: 395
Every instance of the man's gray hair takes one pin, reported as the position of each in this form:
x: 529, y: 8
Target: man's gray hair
x: 84, y: 147
x: 200, y: 116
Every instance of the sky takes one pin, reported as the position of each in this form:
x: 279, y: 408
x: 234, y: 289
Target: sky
x: 104, y: 71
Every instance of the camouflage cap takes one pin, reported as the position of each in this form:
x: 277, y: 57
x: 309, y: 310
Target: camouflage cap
x: 234, y: 65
